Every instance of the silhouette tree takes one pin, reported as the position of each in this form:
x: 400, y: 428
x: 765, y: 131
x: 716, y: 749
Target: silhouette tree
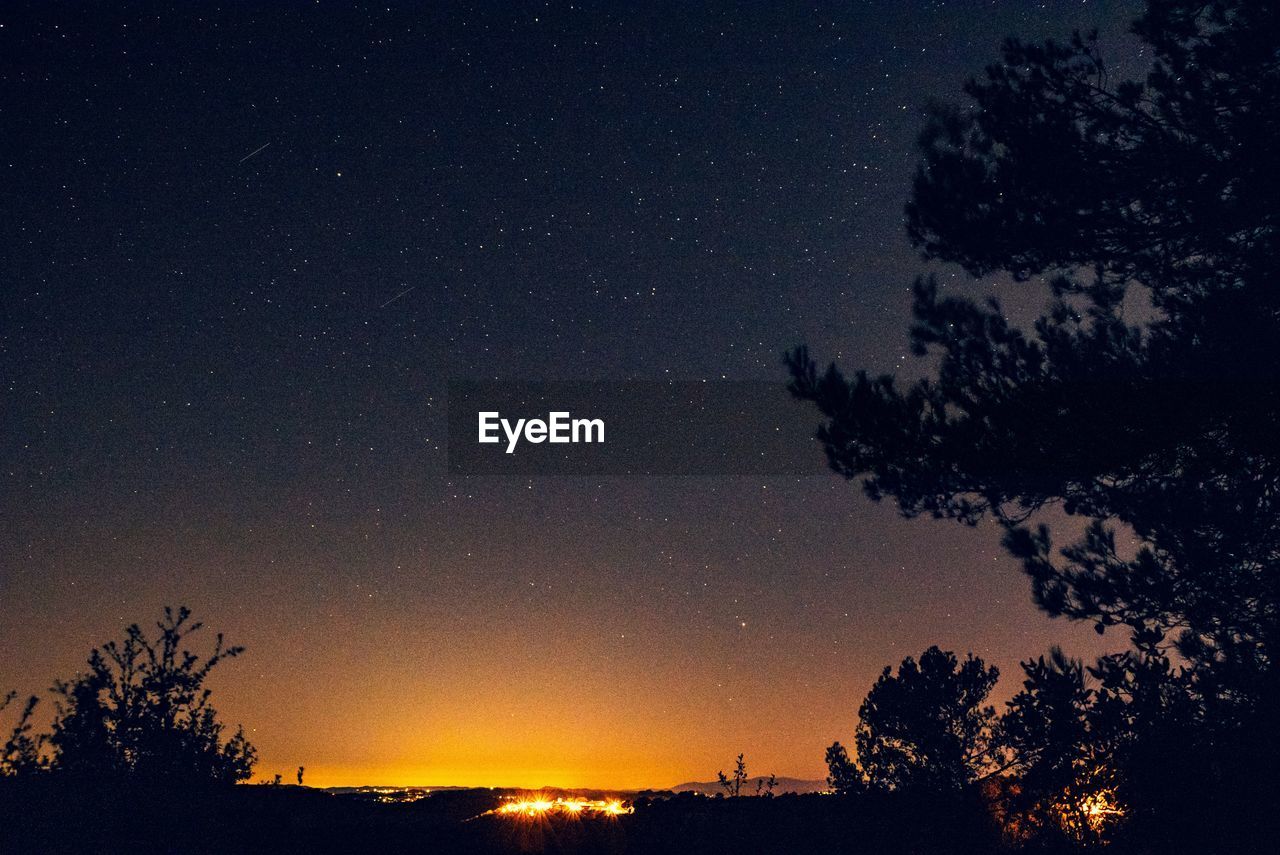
x: 1157, y: 197
x: 1144, y: 399
x: 142, y: 710
x: 301, y: 769
x: 928, y: 726
x: 1067, y: 785
x: 20, y: 753
x: 733, y: 785
x: 843, y: 775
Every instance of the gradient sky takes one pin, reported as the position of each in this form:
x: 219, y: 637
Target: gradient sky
x: 243, y: 250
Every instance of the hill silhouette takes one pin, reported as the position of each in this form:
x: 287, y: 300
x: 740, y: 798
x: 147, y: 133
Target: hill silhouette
x: 783, y: 785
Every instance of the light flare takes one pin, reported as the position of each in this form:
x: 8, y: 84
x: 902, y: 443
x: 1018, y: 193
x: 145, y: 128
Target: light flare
x: 1100, y: 809
x: 572, y: 806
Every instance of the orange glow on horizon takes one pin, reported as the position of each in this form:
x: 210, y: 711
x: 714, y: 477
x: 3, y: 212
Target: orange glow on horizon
x: 529, y: 779
x: 609, y: 696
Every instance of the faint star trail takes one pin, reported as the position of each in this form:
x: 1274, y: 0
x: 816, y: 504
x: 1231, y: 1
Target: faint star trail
x: 397, y: 297
x: 252, y: 153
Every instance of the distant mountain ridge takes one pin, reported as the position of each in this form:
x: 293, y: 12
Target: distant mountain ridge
x: 784, y: 785
x: 706, y: 788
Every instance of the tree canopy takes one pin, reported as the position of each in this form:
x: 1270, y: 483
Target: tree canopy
x: 929, y: 725
x: 1155, y: 198
x: 1144, y: 399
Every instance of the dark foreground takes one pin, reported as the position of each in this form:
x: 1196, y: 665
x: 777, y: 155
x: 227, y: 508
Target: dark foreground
x: 46, y: 816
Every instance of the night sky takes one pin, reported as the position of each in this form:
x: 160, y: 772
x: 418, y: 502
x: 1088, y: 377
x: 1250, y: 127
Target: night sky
x: 243, y: 251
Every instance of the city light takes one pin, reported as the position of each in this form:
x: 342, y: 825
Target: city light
x: 539, y: 806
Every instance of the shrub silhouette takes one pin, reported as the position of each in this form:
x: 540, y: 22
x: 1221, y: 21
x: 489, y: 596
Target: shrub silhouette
x: 20, y: 753
x: 732, y: 785
x: 843, y: 775
x: 928, y: 727
x: 1066, y: 784
x: 142, y: 710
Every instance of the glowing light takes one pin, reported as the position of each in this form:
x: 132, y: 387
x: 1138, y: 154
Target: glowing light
x: 574, y: 806
x: 1091, y: 815
x: 1099, y: 809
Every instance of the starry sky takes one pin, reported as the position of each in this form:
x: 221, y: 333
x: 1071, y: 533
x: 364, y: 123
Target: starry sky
x: 245, y: 246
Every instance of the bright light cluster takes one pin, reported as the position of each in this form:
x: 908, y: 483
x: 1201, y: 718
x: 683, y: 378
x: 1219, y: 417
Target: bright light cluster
x: 536, y: 807
x: 1100, y: 809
